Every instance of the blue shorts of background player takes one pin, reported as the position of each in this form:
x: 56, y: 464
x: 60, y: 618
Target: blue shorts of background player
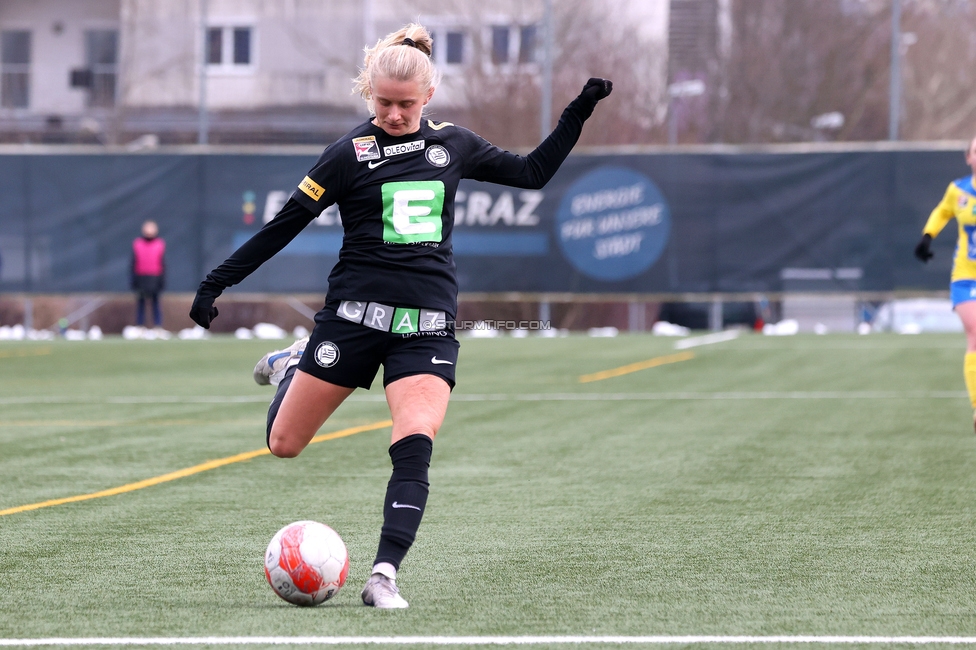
x: 962, y: 291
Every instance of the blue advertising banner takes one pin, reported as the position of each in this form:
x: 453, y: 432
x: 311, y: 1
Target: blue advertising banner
x: 661, y: 222
x: 612, y: 223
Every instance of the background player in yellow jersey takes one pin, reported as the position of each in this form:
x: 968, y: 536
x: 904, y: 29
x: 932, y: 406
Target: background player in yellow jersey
x: 960, y: 202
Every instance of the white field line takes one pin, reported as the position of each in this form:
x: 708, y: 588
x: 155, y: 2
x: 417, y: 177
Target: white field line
x: 528, y: 397
x: 136, y: 399
x: 731, y: 395
x: 485, y: 640
x: 707, y: 339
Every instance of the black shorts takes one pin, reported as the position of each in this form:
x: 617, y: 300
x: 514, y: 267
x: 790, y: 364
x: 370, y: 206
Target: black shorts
x: 348, y: 354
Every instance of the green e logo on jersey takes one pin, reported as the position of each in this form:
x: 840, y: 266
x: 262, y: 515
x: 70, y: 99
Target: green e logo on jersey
x: 412, y: 211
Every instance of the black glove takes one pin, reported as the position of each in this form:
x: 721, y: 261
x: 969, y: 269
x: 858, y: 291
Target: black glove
x: 923, y: 249
x: 203, y: 311
x: 596, y: 89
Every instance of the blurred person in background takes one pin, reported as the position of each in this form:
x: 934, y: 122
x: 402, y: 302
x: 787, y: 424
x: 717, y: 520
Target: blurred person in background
x: 148, y: 274
x: 392, y: 296
x: 959, y: 202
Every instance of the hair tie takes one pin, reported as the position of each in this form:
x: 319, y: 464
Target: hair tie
x: 410, y: 42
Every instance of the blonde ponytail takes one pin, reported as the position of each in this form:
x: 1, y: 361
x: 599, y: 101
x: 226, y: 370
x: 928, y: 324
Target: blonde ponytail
x: 402, y: 55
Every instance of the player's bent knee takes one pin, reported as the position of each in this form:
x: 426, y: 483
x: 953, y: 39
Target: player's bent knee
x: 283, y: 449
x: 284, y: 446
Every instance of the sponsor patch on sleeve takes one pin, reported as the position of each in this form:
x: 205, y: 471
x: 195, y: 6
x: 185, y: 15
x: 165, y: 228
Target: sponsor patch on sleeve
x: 311, y: 188
x: 366, y: 148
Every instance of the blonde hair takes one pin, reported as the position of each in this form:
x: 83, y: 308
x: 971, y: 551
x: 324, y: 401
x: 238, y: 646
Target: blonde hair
x: 402, y: 55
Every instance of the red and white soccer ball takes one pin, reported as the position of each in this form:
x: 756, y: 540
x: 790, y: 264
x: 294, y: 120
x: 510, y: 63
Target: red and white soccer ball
x: 306, y: 563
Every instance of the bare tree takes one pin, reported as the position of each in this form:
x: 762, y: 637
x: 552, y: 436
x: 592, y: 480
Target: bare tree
x: 171, y: 61
x: 939, y: 46
x: 504, y: 101
x: 791, y: 61
x: 595, y: 43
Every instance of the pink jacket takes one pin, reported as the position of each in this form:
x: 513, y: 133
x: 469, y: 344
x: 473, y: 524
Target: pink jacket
x: 147, y: 256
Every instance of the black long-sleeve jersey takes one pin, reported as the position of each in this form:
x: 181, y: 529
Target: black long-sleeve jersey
x: 396, y: 200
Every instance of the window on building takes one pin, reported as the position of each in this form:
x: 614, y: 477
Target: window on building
x: 101, y: 54
x: 528, y: 44
x: 500, y: 44
x: 450, y: 45
x: 242, y: 46
x: 511, y: 44
x: 15, y: 56
x: 215, y: 43
x: 229, y: 46
x: 455, y: 48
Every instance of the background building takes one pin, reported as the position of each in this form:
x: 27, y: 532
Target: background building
x: 255, y: 71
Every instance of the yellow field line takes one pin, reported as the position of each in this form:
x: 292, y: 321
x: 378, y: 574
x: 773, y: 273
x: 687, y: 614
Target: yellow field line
x: 189, y: 471
x: 24, y: 353
x: 634, y: 367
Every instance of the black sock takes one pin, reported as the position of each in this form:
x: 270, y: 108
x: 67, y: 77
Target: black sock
x: 276, y: 400
x: 406, y: 497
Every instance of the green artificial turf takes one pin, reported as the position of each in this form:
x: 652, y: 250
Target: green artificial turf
x: 767, y: 486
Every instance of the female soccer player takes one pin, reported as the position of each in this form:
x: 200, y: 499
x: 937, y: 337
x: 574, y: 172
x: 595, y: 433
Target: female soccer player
x: 392, y: 295
x: 960, y: 202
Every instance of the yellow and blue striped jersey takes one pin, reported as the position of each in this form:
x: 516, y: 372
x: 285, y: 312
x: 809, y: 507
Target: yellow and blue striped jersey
x: 959, y: 202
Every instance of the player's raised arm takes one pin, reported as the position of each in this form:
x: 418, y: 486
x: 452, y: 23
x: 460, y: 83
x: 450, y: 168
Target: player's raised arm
x: 536, y: 169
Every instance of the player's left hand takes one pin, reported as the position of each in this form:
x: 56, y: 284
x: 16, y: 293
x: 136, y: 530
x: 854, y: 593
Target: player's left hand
x: 923, y: 249
x: 597, y: 89
x: 203, y: 311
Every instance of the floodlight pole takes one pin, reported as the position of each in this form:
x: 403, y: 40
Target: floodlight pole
x: 894, y: 91
x: 545, y: 111
x: 678, y: 89
x: 203, y: 118
x: 369, y: 23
